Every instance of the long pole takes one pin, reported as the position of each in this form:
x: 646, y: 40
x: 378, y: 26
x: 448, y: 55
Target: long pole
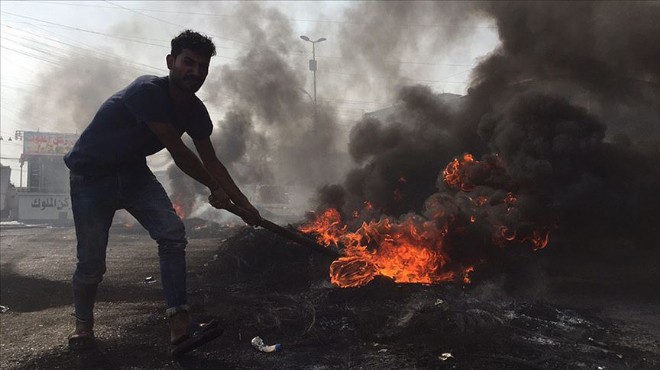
x: 287, y: 234
x: 314, y: 58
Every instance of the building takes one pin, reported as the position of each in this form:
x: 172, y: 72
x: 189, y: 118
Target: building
x: 45, y: 198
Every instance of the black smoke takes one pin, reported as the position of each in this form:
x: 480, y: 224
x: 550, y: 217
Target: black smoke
x: 569, y: 103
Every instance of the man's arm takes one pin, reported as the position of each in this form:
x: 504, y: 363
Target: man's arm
x: 186, y: 160
x: 220, y: 174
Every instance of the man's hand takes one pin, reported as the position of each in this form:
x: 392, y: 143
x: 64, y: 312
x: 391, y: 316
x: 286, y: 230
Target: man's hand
x: 253, y: 217
x: 218, y: 198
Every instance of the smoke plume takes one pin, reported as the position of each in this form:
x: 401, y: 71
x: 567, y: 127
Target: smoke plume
x: 560, y: 120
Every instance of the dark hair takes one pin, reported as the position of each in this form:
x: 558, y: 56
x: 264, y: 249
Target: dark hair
x: 194, y: 41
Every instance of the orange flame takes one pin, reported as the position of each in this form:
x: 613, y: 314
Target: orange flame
x: 408, y: 251
x: 178, y: 208
x: 466, y: 274
x: 480, y: 201
x: 539, y: 239
x: 454, y: 173
x: 327, y: 226
x: 411, y: 249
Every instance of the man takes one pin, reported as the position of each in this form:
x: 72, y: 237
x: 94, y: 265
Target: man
x: 109, y: 172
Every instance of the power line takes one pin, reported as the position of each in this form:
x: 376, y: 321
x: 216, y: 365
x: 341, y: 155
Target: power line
x: 168, y: 22
x: 29, y: 55
x: 267, y: 18
x: 80, y: 29
x: 103, y: 34
x: 135, y: 65
x: 298, y: 53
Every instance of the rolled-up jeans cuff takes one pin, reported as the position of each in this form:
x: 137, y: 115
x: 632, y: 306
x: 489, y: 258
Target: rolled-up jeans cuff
x: 91, y: 320
x: 175, y: 310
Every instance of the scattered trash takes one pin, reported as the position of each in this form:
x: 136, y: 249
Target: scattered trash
x: 619, y: 355
x: 258, y: 343
x: 149, y: 280
x: 439, y: 301
x: 4, y: 309
x: 592, y: 340
x: 601, y: 367
x: 382, y: 350
x: 445, y: 356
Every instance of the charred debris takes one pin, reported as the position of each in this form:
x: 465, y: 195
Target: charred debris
x: 264, y: 286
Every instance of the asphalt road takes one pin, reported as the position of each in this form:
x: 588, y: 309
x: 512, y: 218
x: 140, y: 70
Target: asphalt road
x: 37, y: 263
x: 36, y: 267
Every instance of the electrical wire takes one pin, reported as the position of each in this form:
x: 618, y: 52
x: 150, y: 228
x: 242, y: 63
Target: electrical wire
x: 266, y: 18
x: 170, y: 23
x: 94, y: 53
x: 297, y: 53
x: 79, y: 29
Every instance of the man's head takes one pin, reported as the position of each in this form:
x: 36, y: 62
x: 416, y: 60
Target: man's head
x: 189, y: 60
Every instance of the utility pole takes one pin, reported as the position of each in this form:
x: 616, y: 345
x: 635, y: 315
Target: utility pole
x: 312, y: 62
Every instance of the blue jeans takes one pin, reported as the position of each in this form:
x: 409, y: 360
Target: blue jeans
x: 94, y: 200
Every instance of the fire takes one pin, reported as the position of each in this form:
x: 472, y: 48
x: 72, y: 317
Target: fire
x: 407, y: 251
x: 327, y: 226
x: 455, y: 172
x: 466, y: 274
x: 539, y: 239
x: 504, y: 233
x: 480, y: 200
x: 178, y: 208
x: 412, y: 249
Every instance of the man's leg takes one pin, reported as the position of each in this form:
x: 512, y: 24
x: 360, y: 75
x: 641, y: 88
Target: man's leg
x: 92, y: 203
x: 149, y: 204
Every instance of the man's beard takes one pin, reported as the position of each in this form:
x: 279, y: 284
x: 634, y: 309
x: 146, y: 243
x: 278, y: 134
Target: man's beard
x: 188, y: 85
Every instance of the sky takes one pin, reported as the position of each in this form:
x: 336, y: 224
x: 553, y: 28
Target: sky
x: 61, y: 59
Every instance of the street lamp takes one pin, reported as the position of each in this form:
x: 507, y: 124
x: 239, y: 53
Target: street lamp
x: 312, y: 62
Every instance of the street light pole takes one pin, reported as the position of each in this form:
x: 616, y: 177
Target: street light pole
x: 312, y: 62
x: 314, y: 70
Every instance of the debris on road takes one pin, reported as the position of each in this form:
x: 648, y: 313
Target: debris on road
x: 4, y: 309
x: 259, y: 344
x: 445, y: 356
x: 149, y: 280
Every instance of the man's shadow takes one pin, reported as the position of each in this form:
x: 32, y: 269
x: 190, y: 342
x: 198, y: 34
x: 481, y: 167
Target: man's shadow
x: 144, y: 347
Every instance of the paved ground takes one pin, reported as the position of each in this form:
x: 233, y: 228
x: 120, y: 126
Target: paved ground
x: 36, y: 265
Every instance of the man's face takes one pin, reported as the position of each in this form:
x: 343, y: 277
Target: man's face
x: 188, y: 70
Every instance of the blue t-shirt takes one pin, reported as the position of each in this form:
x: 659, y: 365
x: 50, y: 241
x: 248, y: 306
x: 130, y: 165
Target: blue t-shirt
x: 118, y: 136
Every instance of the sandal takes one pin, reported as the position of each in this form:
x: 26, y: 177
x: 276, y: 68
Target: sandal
x: 82, y: 337
x: 198, y: 335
